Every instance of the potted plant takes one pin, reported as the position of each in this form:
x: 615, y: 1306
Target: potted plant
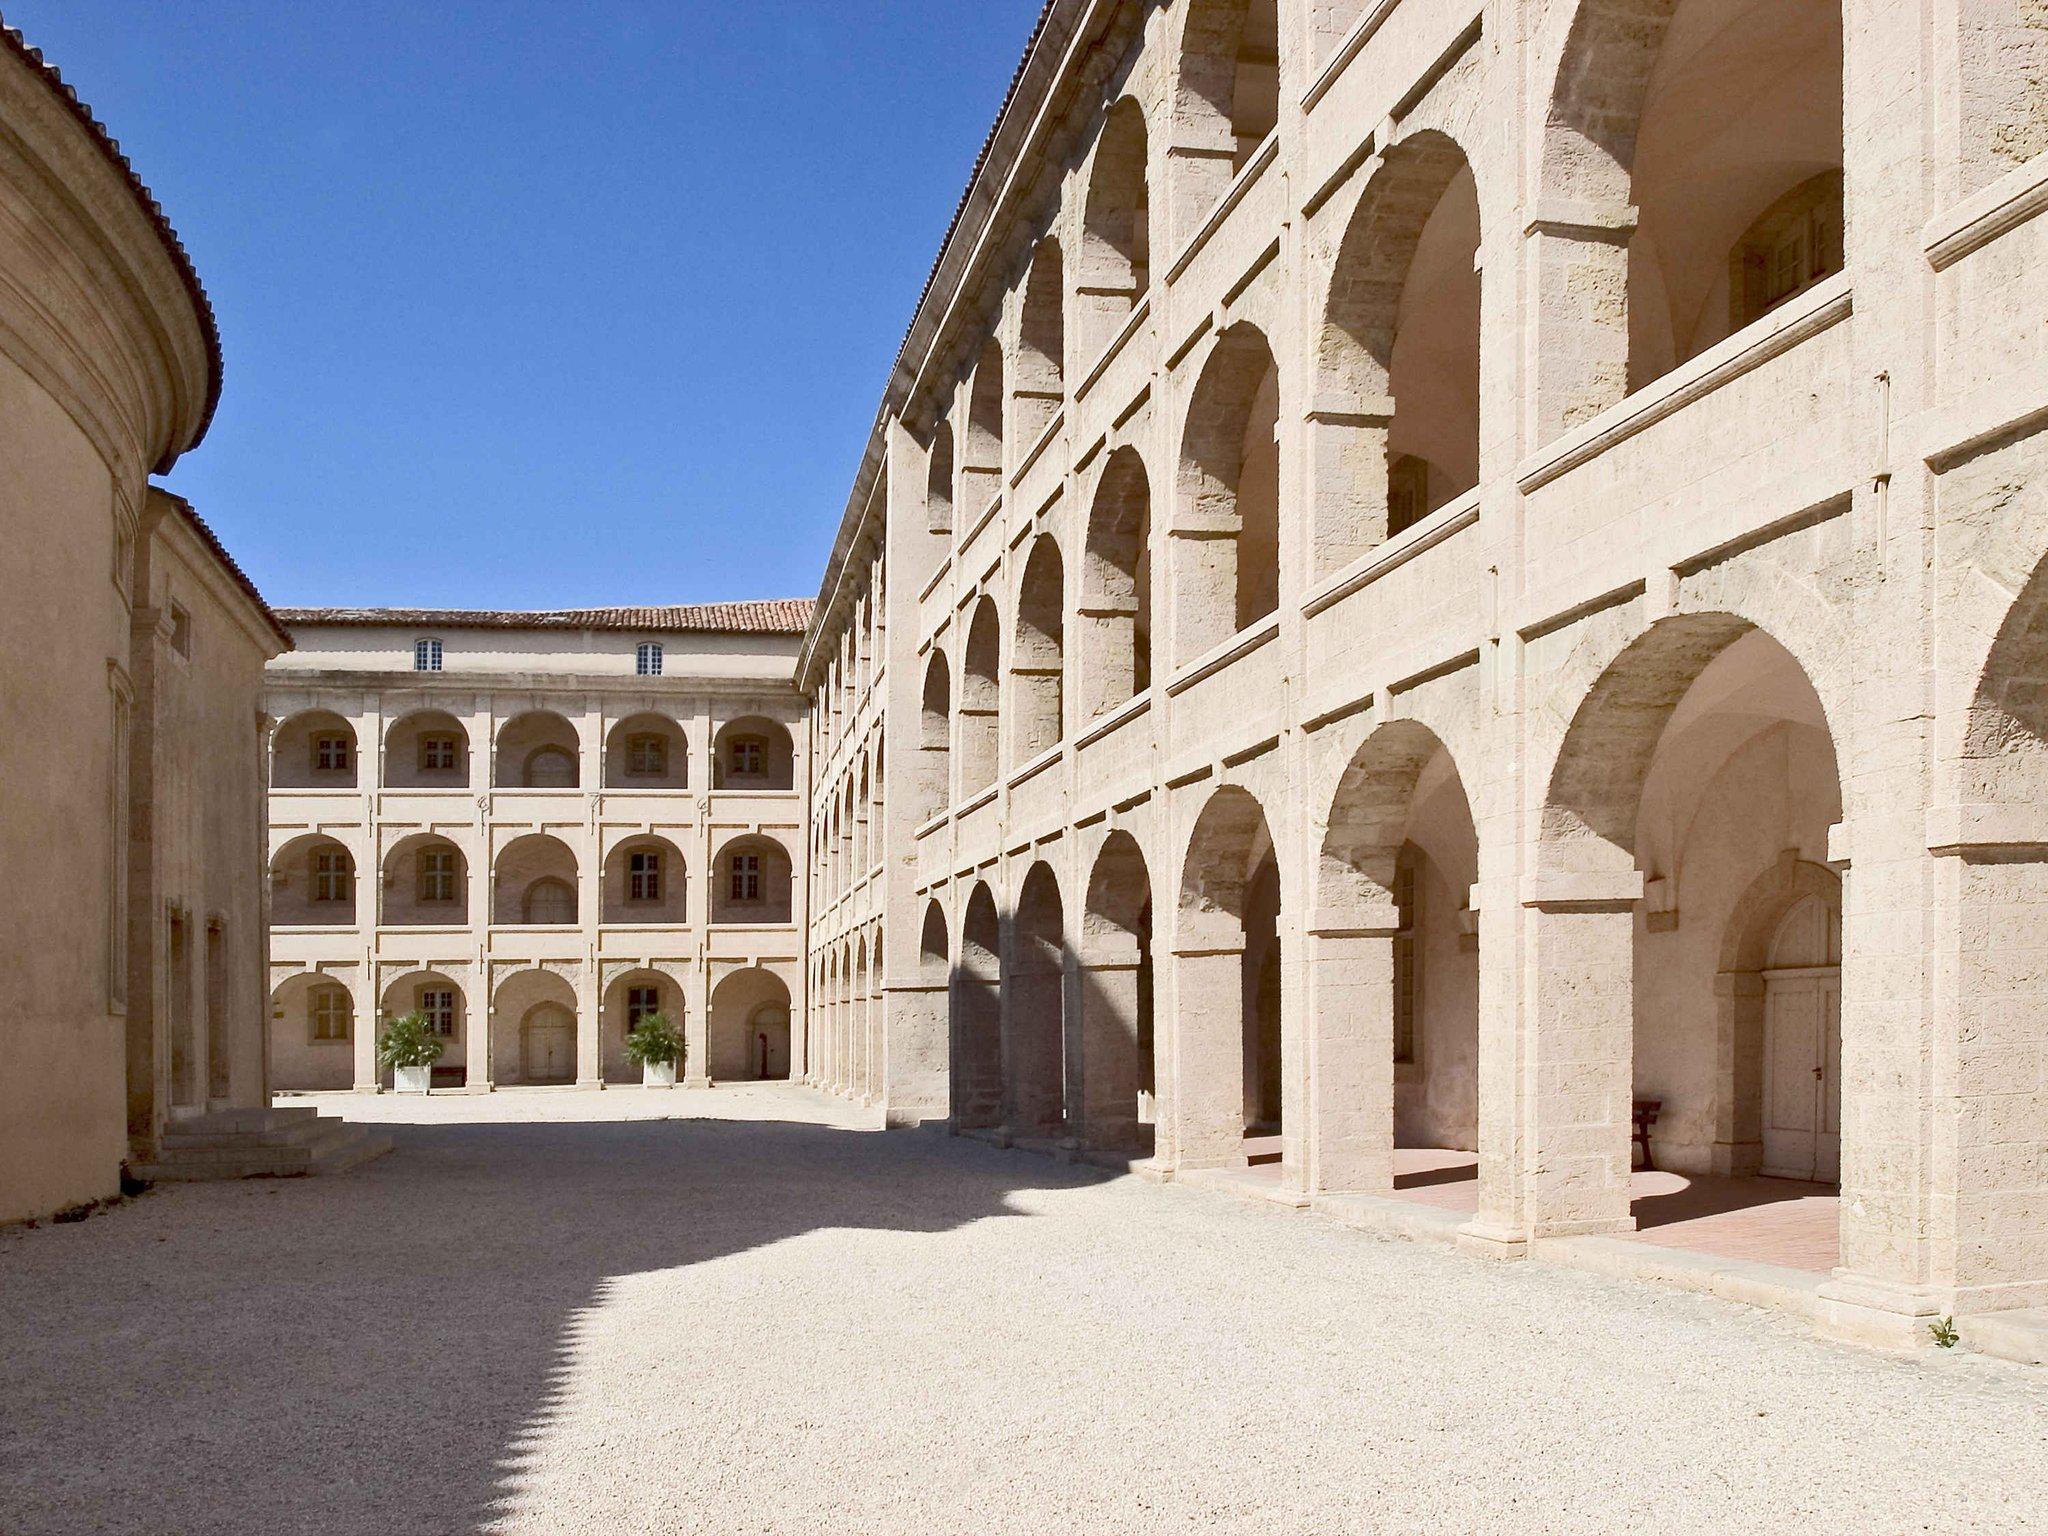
x: 658, y: 1046
x: 409, y: 1047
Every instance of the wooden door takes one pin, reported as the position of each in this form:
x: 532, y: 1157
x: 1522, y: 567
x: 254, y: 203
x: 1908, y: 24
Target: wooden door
x: 1802, y: 1074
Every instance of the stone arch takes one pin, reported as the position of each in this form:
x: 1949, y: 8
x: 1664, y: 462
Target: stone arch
x: 313, y: 749
x: 1226, y: 100
x: 425, y: 883
x: 310, y: 1047
x: 1114, y: 271
x: 748, y: 1031
x: 981, y: 469
x: 533, y: 1029
x: 977, y: 1015
x: 2002, y: 775
x: 1034, y: 1008
x: 534, y: 880
x: 935, y: 740
x: 753, y: 752
x: 646, y: 881
x: 417, y: 990
x: 426, y: 749
x: 1038, y: 655
x: 863, y: 850
x: 1226, y: 524
x: 751, y: 892
x: 537, y: 750
x: 1116, y: 586
x: 1116, y: 1051
x: 1040, y: 382
x: 625, y: 998
x: 1401, y: 323
x: 938, y: 485
x: 647, y: 751
x: 934, y: 953
x: 313, y: 883
x: 980, y: 725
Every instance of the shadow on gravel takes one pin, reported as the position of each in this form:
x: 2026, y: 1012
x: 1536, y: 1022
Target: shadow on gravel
x: 375, y: 1353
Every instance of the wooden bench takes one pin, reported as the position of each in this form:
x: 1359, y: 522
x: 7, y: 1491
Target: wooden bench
x: 1646, y: 1112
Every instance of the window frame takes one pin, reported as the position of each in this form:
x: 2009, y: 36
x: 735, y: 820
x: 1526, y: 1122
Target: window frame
x: 436, y: 865
x: 319, y: 1020
x: 647, y: 659
x: 333, y: 752
x: 426, y: 654
x: 440, y: 1015
x: 331, y: 876
x: 642, y: 1002
x: 430, y: 742
x: 643, y: 876
x: 644, y: 748
x: 745, y: 870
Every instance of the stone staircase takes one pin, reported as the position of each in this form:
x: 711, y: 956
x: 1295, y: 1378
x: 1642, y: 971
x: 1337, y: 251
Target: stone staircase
x: 261, y: 1144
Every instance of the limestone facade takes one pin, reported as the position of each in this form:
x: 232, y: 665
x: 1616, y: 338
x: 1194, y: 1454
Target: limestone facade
x: 536, y: 827
x: 131, y: 656
x: 1455, y: 567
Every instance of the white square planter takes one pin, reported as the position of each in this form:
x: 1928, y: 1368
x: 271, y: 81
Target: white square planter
x: 658, y: 1074
x: 412, y: 1079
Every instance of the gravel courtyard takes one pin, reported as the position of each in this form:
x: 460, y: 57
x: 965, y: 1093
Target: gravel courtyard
x: 741, y: 1311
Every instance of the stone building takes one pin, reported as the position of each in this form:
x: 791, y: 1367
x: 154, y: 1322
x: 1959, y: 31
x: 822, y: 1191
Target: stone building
x: 536, y: 828
x: 131, y: 662
x: 1465, y: 578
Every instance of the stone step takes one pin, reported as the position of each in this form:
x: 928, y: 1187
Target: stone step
x: 333, y: 1147
x: 289, y: 1133
x: 231, y: 1122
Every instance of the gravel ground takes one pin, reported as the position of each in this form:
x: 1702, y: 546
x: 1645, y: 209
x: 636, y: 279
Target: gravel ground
x: 741, y: 1311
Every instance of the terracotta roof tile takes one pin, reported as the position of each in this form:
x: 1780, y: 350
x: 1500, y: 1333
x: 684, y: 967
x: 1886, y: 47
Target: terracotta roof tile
x: 775, y: 616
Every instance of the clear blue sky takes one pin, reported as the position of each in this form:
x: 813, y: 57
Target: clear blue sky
x: 526, y: 304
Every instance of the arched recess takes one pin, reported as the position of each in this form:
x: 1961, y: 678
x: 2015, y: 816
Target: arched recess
x: 863, y: 849
x: 1691, y: 182
x: 1116, y: 1034
x: 1396, y: 963
x: 534, y: 882
x: 934, y: 953
x: 2001, y: 100
x: 533, y: 1030
x: 1041, y: 373
x: 938, y: 492
x: 748, y: 1034
x: 444, y: 1003
x: 1116, y: 587
x: 977, y: 1029
x: 647, y: 751
x: 1228, y: 961
x: 426, y: 749
x: 1226, y: 100
x: 1395, y: 420
x: 981, y: 469
x: 980, y: 700
x: 629, y: 998
x: 753, y: 753
x: 647, y: 882
x: 1034, y: 1016
x: 426, y: 883
x: 1115, y: 267
x: 314, y: 749
x: 537, y: 750
x: 1226, y: 527
x: 313, y: 884
x: 312, y: 1029
x: 1038, y: 658
x: 1700, y: 759
x: 752, y: 882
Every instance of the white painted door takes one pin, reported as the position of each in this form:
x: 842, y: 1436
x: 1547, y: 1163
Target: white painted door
x: 1802, y: 1074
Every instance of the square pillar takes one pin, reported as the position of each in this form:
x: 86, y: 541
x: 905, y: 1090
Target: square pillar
x: 1351, y: 1055
x: 1208, y: 1057
x: 1579, y: 260
x: 1107, y: 1054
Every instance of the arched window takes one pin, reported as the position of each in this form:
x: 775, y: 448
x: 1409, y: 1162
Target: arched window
x: 1115, y: 266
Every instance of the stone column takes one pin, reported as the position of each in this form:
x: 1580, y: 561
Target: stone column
x: 1351, y: 1053
x: 1578, y: 256
x: 697, y: 1027
x: 590, y: 1026
x: 1032, y: 1030
x: 1208, y: 1055
x: 481, y: 1024
x: 1347, y: 446
x: 1108, y: 1053
x: 364, y: 1043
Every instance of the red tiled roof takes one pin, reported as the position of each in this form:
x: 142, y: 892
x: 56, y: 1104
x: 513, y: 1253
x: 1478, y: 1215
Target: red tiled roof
x: 775, y: 616
x: 109, y: 146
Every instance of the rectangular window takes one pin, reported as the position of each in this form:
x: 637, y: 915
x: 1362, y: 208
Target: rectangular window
x: 426, y: 655
x: 641, y: 1002
x: 643, y: 877
x: 181, y: 631
x: 647, y: 756
x: 647, y: 662
x: 329, y: 1010
x: 331, y: 754
x: 437, y: 875
x: 747, y: 756
x: 330, y: 875
x: 438, y: 1004
x: 746, y: 877
x: 437, y: 754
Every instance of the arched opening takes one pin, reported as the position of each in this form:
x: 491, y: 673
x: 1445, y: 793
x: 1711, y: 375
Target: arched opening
x: 981, y: 473
x: 1396, y: 955
x: 1116, y: 594
x: 1226, y: 100
x: 315, y: 749
x: 1699, y: 763
x: 441, y: 1002
x: 752, y: 884
x: 312, y: 1033
x: 646, y: 882
x: 1396, y: 421
x: 1228, y: 964
x: 858, y: 1032
x: 863, y: 851
x: 980, y: 700
x: 1038, y: 659
x: 1116, y: 246
x: 1034, y: 1010
x: 934, y: 955
x: 1226, y: 532
x: 753, y: 753
x: 533, y: 1030
x: 647, y: 751
x: 1698, y: 144
x: 1042, y: 343
x: 427, y: 749
x: 749, y: 1028
x: 938, y: 493
x: 537, y: 750
x: 534, y: 882
x: 1116, y: 1035
x: 629, y: 999
x: 2002, y: 88
x: 426, y: 883
x: 312, y: 884
x: 977, y: 1016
